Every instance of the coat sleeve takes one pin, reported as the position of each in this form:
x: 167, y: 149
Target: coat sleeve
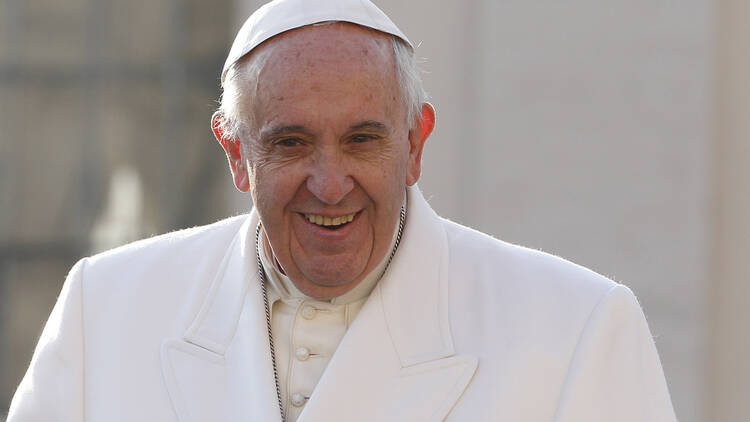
x: 53, y: 387
x: 615, y: 373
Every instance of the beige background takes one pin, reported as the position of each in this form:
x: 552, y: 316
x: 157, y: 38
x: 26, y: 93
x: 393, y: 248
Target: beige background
x: 615, y: 134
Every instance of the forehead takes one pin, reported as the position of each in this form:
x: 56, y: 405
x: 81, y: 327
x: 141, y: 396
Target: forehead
x: 331, y: 42
x: 335, y: 62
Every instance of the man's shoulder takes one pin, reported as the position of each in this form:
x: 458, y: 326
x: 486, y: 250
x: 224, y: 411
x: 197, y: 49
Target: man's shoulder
x: 158, y: 276
x: 521, y: 273
x: 536, y: 301
x: 178, y: 242
x: 173, y: 260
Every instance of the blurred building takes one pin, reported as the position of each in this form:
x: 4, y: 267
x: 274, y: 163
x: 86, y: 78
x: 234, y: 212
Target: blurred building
x: 104, y: 138
x: 614, y: 134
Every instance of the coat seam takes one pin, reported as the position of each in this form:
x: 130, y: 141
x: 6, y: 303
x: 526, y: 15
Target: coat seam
x: 576, y: 350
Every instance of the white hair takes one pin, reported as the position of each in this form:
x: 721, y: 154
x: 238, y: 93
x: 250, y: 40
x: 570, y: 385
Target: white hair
x: 234, y: 123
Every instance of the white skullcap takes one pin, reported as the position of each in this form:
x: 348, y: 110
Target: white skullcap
x: 279, y: 16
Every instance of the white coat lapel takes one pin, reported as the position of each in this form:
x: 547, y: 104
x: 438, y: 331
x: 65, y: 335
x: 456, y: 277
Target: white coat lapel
x: 221, y: 368
x: 397, y: 360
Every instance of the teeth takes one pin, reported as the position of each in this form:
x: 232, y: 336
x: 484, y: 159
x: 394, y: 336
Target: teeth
x: 328, y: 221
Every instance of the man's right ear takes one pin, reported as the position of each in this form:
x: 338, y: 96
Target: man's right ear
x: 233, y: 150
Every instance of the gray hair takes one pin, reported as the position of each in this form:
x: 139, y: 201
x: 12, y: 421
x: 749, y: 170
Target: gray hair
x: 234, y: 124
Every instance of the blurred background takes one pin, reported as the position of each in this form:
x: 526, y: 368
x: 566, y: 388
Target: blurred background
x: 615, y: 134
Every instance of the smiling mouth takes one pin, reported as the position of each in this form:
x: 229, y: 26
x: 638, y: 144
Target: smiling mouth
x: 331, y: 223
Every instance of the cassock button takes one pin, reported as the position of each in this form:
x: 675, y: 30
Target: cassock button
x: 298, y: 400
x: 308, y: 312
x: 302, y: 353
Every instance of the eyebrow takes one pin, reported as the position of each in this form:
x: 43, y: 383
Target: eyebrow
x: 371, y: 125
x: 274, y: 132
x: 280, y: 130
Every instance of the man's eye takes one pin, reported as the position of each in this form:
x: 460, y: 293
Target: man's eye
x: 288, y: 142
x: 362, y: 138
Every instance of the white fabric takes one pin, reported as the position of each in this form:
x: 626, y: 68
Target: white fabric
x: 461, y: 328
x: 319, y: 336
x: 302, y: 323
x: 280, y: 16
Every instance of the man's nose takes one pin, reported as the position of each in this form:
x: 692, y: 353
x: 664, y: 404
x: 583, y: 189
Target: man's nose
x: 329, y: 179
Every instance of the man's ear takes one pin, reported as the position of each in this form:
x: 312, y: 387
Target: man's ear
x: 233, y: 150
x: 418, y: 134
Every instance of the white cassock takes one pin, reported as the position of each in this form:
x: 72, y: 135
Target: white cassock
x: 462, y: 327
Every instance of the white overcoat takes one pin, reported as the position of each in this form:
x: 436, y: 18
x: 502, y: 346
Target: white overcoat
x: 462, y: 327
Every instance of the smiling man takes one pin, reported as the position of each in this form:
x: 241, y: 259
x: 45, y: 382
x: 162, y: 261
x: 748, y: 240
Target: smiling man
x: 329, y: 150
x: 342, y: 296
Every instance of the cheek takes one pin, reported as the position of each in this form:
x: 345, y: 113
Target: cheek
x: 273, y: 189
x: 385, y: 183
x: 396, y: 171
x: 280, y: 182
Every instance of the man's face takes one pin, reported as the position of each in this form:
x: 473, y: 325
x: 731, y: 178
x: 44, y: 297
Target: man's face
x: 330, y: 153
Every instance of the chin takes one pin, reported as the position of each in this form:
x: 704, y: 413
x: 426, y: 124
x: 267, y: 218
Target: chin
x: 331, y: 280
x: 334, y: 275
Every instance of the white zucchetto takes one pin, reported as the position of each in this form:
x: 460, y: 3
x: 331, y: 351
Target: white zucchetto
x: 279, y: 16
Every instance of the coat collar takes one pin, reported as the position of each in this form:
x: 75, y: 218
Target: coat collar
x: 216, y: 323
x: 398, y: 349
x: 220, y: 369
x: 415, y: 291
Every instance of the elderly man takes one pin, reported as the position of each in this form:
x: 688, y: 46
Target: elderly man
x: 342, y: 296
